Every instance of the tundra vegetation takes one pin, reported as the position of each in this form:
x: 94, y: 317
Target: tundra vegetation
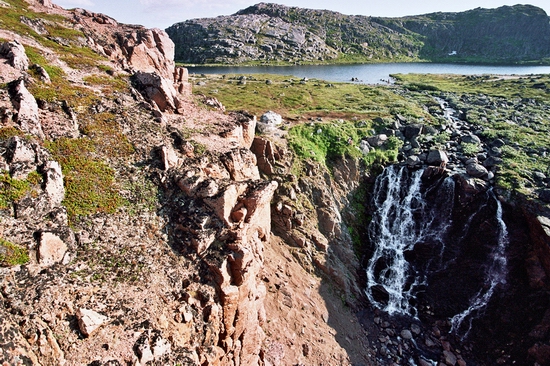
x: 322, y: 117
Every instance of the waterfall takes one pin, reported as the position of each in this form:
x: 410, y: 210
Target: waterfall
x: 403, y: 219
x: 495, y: 276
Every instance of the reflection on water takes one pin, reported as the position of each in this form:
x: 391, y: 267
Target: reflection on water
x: 372, y: 73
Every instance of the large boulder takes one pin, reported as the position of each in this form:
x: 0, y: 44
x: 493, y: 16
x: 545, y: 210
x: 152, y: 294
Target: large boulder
x: 27, y: 109
x: 269, y: 122
x: 437, y: 157
x: 476, y: 170
x: 15, y: 53
x: 157, y: 90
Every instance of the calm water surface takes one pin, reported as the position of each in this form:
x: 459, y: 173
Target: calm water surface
x: 372, y: 73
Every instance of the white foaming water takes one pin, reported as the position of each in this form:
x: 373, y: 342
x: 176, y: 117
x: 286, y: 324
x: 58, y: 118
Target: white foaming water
x: 402, y: 220
x: 495, y: 276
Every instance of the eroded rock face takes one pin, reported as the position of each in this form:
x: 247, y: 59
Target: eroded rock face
x: 158, y: 90
x: 15, y: 53
x: 27, y: 109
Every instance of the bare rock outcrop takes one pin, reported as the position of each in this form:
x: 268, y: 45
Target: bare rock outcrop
x: 27, y: 109
x: 158, y: 91
x: 15, y: 53
x: 234, y: 214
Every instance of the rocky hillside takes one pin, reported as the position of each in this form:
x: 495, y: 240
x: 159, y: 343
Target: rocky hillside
x: 141, y: 226
x: 271, y: 33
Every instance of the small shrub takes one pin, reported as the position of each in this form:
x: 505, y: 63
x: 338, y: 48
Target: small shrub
x: 469, y: 149
x: 12, y: 190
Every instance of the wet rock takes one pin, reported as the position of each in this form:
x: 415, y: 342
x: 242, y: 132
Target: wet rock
x: 476, y: 170
x: 413, y: 161
x: 406, y: 334
x: 449, y: 357
x: 437, y: 157
x: 15, y: 53
x: 89, y: 321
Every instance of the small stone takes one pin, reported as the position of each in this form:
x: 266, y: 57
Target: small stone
x: 406, y: 334
x: 450, y: 358
x: 476, y: 170
x: 89, y: 321
x: 428, y: 342
x: 415, y: 329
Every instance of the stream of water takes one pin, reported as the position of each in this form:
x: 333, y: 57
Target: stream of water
x: 402, y: 220
x: 405, y: 218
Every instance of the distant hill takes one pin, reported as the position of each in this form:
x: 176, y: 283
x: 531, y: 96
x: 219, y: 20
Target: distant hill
x: 271, y: 33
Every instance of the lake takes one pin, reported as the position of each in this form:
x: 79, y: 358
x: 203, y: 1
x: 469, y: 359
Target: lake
x: 371, y: 73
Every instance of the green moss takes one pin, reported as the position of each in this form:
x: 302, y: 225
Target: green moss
x: 323, y: 141
x: 105, y: 135
x: 9, y: 132
x: 89, y: 182
x: 12, y: 254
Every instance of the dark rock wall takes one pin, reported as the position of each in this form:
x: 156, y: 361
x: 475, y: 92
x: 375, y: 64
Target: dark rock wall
x: 271, y: 33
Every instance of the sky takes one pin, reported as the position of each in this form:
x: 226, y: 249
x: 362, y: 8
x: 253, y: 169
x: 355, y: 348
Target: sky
x: 164, y: 13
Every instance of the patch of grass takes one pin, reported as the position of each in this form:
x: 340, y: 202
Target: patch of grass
x: 89, y: 182
x: 141, y: 193
x: 108, y: 84
x: 199, y: 149
x: 469, y: 149
x: 323, y: 141
x: 293, y: 98
x: 9, y: 132
x: 105, y: 135
x: 12, y: 254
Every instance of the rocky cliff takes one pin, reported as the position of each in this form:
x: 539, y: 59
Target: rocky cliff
x: 141, y: 224
x: 271, y: 33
